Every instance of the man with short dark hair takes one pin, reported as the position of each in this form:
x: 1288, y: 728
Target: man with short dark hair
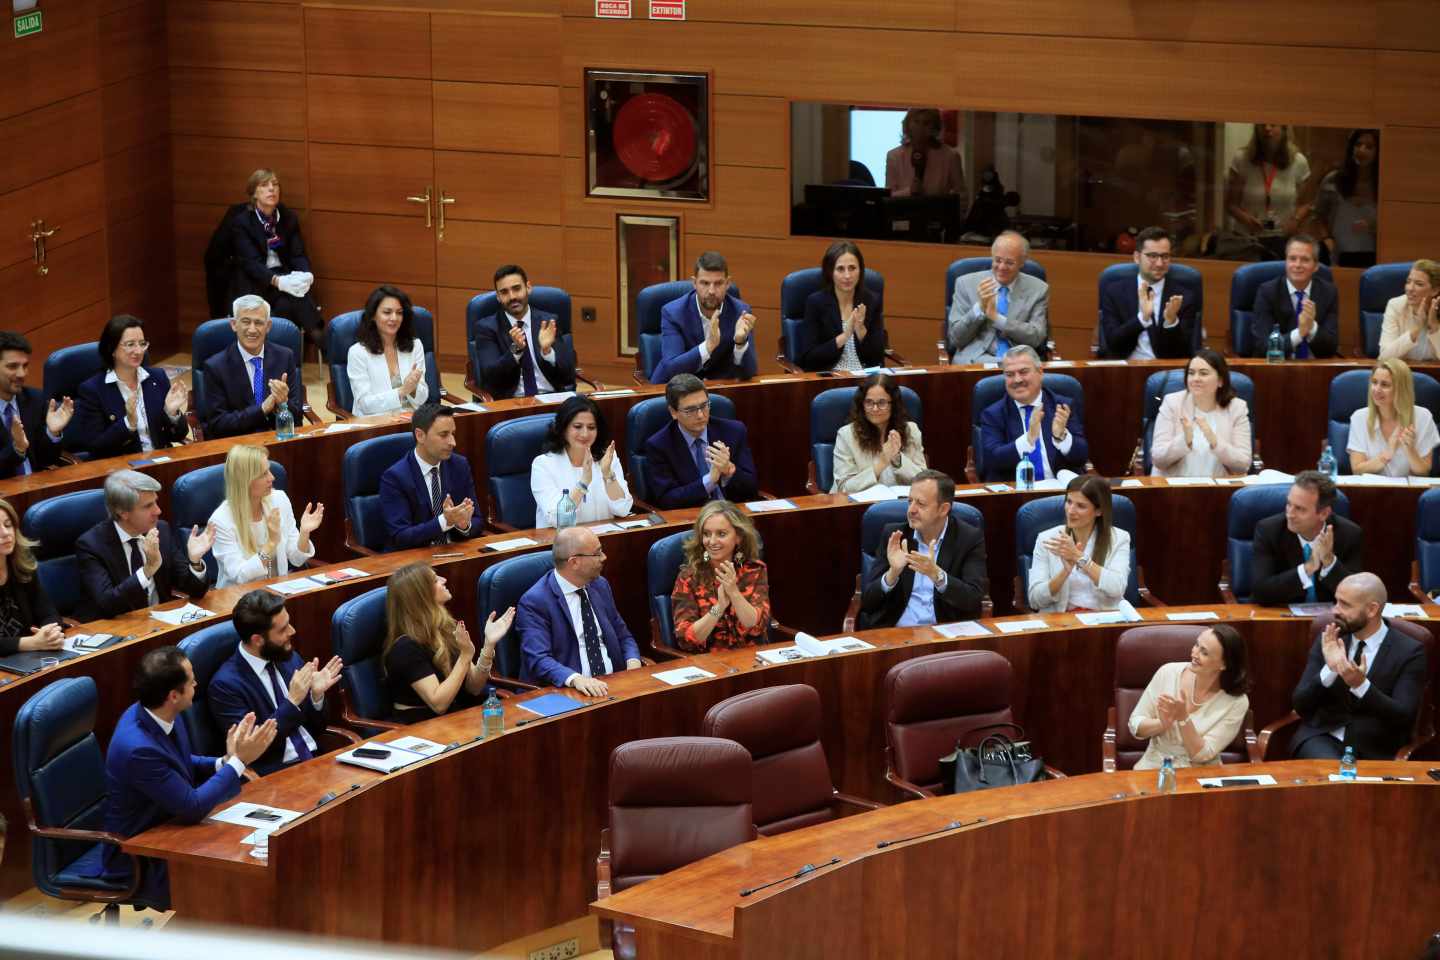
x: 520, y: 350
x: 707, y: 331
x: 266, y: 678
x: 696, y: 457
x: 246, y: 384
x: 428, y: 495
x: 1155, y: 315
x: 1305, y: 307
x: 1303, y: 553
x: 30, y: 440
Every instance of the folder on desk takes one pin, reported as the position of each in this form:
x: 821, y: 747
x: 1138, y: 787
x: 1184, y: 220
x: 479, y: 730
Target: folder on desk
x: 395, y: 757
x: 28, y: 661
x: 550, y: 705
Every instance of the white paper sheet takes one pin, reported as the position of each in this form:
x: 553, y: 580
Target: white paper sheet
x: 515, y: 544
x: 1404, y: 610
x: 963, y: 628
x: 880, y: 493
x: 682, y: 675
x: 1190, y: 481
x: 633, y: 524
x: 340, y: 426
x: 560, y: 396
x: 600, y: 528
x: 472, y: 406
x: 612, y: 393
x: 237, y: 813
x: 189, y: 613
x: 1193, y: 615
x: 291, y: 587
x: 1259, y: 779
x: 1020, y: 626
x: 770, y: 506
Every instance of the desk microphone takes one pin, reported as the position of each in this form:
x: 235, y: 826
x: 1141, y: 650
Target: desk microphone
x: 332, y: 795
x: 952, y: 825
x: 568, y: 712
x: 804, y: 871
x: 457, y: 744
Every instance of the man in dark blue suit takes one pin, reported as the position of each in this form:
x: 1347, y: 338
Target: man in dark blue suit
x: 245, y: 384
x: 1305, y: 307
x: 520, y: 350
x: 1031, y: 422
x: 1151, y: 314
x: 428, y: 495
x: 24, y: 414
x: 570, y: 632
x: 707, y: 332
x: 151, y: 775
x: 695, y: 458
x: 266, y: 678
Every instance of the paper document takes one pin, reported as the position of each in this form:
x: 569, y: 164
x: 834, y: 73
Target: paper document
x: 633, y: 524
x: 901, y: 371
x: 472, y: 406
x: 1131, y: 483
x: 1370, y: 480
x: 1309, y: 609
x: 340, y: 426
x: 1052, y: 364
x: 338, y: 576
x: 964, y: 628
x: 515, y: 544
x: 1099, y: 363
x: 559, y: 396
x: 1336, y: 778
x: 1268, y: 476
x: 612, y: 393
x: 291, y: 587
x: 1190, y: 481
x: 418, y: 745
x: 1404, y: 610
x: 1193, y: 615
x: 88, y: 642
x: 770, y: 506
x: 255, y: 815
x: 1125, y: 613
x: 1258, y: 779
x: 1425, y: 481
x: 189, y: 613
x: 879, y: 493
x: 822, y: 648
x: 1020, y: 626
x: 998, y: 487
x: 782, y: 655
x: 1054, y: 483
x: 600, y: 528
x: 391, y: 757
x: 682, y: 675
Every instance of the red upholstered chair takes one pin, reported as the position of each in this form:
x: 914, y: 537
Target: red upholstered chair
x: 780, y: 727
x: 673, y: 800
x: 1139, y: 652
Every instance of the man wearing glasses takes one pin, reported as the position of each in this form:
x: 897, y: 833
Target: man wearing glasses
x: 993, y: 310
x: 695, y: 458
x: 1154, y: 315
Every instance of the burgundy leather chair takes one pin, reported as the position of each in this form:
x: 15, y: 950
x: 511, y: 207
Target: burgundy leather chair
x: 1139, y: 652
x: 673, y: 800
x: 780, y: 727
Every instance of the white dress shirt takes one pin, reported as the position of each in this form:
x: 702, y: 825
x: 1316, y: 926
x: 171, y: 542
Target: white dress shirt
x: 142, y: 422
x: 145, y: 580
x: 370, y: 382
x: 920, y: 608
x: 1023, y: 446
x: 166, y: 726
x: 239, y: 567
x: 552, y: 473
x: 1305, y: 579
x: 542, y: 385
x: 259, y: 665
x: 1144, y: 350
x: 425, y: 470
x: 1372, y: 650
x: 571, y: 593
x: 705, y: 347
x: 1295, y: 333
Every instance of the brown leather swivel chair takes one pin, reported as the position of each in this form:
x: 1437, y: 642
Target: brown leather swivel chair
x: 1139, y: 652
x: 673, y: 800
x: 780, y: 727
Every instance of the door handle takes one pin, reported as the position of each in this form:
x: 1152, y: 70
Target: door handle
x: 38, y: 235
x: 426, y: 201
x: 441, y: 204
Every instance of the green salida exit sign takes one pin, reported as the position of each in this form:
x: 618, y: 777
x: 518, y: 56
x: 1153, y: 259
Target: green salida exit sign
x: 29, y: 23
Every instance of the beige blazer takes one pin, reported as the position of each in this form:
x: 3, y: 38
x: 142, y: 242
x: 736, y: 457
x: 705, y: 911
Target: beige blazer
x: 1395, y: 335
x: 1168, y: 449
x: 855, y: 471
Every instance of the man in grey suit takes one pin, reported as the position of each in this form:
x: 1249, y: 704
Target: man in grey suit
x: 992, y: 310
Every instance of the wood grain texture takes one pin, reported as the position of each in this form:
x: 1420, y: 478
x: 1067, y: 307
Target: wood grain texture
x: 213, y: 170
x: 1407, y: 165
x: 497, y: 47
x: 471, y: 251
x: 572, y: 122
x: 57, y: 64
x: 133, y: 41
x: 1407, y: 25
x: 367, y: 43
x: 66, y: 133
x: 378, y: 111
x: 450, y: 322
x: 342, y: 296
x: 221, y: 103
x: 1408, y: 230
x: 137, y: 183
x: 371, y: 180
x: 135, y: 111
x: 749, y: 202
x: 138, y: 252
x: 506, y: 187
x: 589, y: 261
x: 1410, y: 79
x: 752, y: 131
x: 497, y: 117
x: 358, y: 246
x: 905, y: 14
x: 226, y: 35
x: 73, y: 201
x: 77, y: 278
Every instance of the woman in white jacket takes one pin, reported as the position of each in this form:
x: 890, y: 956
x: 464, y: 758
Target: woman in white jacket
x: 256, y: 536
x: 386, y: 364
x: 1083, y: 564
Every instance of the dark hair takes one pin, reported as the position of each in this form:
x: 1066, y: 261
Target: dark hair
x: 1153, y: 233
x: 505, y: 270
x: 1323, y: 486
x: 943, y: 480
x: 369, y: 333
x: 159, y: 672
x: 255, y: 613
x: 427, y: 413
x: 712, y: 261
x: 867, y: 436
x: 680, y: 386
x: 1226, y: 392
x: 113, y: 333
x: 1096, y: 489
x: 14, y: 341
x: 1345, y: 183
x: 931, y: 116
x: 554, y: 441
x: 1235, y: 678
x: 833, y: 253
x: 1304, y: 238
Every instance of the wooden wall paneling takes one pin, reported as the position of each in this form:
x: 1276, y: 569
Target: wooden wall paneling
x: 1408, y: 94
x: 572, y: 122
x: 135, y: 111
x: 56, y: 64
x: 1407, y: 164
x: 503, y: 187
x: 751, y: 131
x: 375, y: 180
x: 471, y: 251
x: 222, y: 103
x: 232, y: 35
x: 50, y: 141
x: 77, y: 278
x: 72, y: 201
x: 214, y: 169
x: 132, y: 40
x: 1407, y: 25
x: 590, y: 264
x: 908, y: 14
x: 497, y: 47
x: 497, y: 117
x: 1408, y: 231
x: 140, y: 251
x: 748, y: 202
x: 194, y: 223
x: 597, y: 345
x: 372, y: 110
x: 450, y: 326
x: 355, y: 246
x: 65, y: 331
x: 137, y: 183
x: 758, y: 265
x: 367, y: 43
x: 579, y: 210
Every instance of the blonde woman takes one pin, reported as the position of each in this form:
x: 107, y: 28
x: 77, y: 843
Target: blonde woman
x: 430, y: 666
x: 256, y: 536
x: 28, y: 620
x: 722, y: 593
x: 1390, y: 435
x: 1411, y: 328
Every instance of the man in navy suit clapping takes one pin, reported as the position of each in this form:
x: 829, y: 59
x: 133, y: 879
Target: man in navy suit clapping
x: 428, y: 496
x: 695, y: 457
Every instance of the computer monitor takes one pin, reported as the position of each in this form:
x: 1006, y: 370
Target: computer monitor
x: 931, y: 218
x: 846, y: 210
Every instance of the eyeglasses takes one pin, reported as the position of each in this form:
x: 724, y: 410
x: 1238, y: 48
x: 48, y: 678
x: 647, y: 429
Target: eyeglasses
x: 1157, y: 257
x: 135, y: 345
x: 694, y: 410
x: 877, y: 404
x: 598, y: 553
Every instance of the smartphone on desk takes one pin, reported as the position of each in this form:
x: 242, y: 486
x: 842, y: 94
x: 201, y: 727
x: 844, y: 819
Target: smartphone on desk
x: 264, y: 815
x: 371, y: 753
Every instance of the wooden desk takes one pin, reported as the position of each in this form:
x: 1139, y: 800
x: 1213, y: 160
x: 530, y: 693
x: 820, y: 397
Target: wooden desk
x: 1095, y: 866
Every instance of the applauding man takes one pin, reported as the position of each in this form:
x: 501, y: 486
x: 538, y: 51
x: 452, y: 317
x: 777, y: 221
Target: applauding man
x: 707, y: 332
x: 1304, y: 305
x: 31, y: 438
x: 1031, y: 422
x: 519, y: 351
x: 428, y: 495
x: 1301, y: 555
x: 696, y: 457
x: 247, y: 383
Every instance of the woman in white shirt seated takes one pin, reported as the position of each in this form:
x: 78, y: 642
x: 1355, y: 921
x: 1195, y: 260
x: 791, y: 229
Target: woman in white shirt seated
x: 1411, y: 328
x: 880, y: 444
x: 1083, y: 564
x: 567, y: 466
x: 1191, y: 711
x: 256, y: 536
x: 1390, y: 435
x: 1203, y: 430
x: 386, y: 364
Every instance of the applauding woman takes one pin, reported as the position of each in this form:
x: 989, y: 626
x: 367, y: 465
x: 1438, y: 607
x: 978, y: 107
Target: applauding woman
x: 1203, y: 430
x: 1391, y: 435
x: 578, y: 461
x: 722, y: 594
x: 256, y: 536
x: 1411, y: 328
x: 1084, y: 564
x: 129, y: 407
x: 28, y: 620
x: 1191, y: 711
x: 844, y: 320
x: 386, y: 364
x: 430, y: 666
x: 880, y: 444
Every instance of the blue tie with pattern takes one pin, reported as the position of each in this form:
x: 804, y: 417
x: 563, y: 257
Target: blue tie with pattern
x: 1002, y: 307
x: 1310, y: 590
x: 257, y: 377
x: 1302, y: 349
x: 302, y: 752
x: 1035, y: 456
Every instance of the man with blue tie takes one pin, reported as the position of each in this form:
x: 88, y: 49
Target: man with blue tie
x: 428, y: 495
x: 1031, y: 422
x: 25, y: 414
x: 695, y: 458
x: 151, y: 775
x: 708, y: 331
x: 1301, y: 555
x: 247, y: 383
x: 996, y: 309
x: 571, y: 634
x: 266, y: 678
x: 1305, y: 306
x: 1151, y: 314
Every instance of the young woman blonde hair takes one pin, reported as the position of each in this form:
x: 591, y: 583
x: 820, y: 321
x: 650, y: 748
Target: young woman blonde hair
x: 749, y: 546
x: 243, y: 465
x: 411, y: 611
x: 257, y: 534
x: 1404, y: 398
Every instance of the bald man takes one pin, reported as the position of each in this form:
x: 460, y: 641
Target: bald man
x: 1363, y: 681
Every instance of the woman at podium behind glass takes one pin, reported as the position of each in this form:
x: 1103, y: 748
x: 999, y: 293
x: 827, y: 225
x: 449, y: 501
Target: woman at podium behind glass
x: 923, y: 164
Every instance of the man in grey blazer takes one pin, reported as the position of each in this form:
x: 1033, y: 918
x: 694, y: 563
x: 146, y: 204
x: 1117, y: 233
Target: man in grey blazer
x: 992, y: 310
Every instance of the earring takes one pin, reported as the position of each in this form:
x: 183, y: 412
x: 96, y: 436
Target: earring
x: 739, y: 558
x: 706, y: 556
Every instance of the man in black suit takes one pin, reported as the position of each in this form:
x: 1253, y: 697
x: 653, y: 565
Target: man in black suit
x: 1298, y: 294
x: 930, y: 569
x: 25, y: 415
x: 1152, y: 315
x: 245, y: 384
x: 520, y: 350
x: 132, y: 560
x: 1303, y: 553
x: 1363, y: 682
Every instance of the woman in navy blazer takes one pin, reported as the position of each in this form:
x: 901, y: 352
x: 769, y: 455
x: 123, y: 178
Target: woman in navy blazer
x: 109, y: 417
x: 843, y: 312
x: 265, y: 237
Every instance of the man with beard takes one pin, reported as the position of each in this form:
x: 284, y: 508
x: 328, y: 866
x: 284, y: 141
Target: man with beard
x: 521, y: 351
x: 267, y: 678
x: 1362, y: 683
x: 31, y: 439
x: 706, y: 332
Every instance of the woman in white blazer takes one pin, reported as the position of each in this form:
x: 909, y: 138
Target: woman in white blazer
x: 880, y: 444
x: 1084, y: 564
x: 1411, y: 328
x: 386, y: 364
x: 567, y: 466
x: 256, y: 536
x: 1203, y: 430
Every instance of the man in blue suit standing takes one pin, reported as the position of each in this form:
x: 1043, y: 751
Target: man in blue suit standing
x: 266, y: 678
x: 520, y: 350
x: 707, y: 332
x: 428, y: 495
x: 571, y: 633
x: 1031, y: 422
x: 151, y: 775
x: 695, y: 458
x: 245, y: 384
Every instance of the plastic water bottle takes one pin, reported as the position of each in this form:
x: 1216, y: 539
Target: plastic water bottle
x: 564, y: 511
x: 492, y: 716
x: 1348, y: 769
x: 1327, y: 464
x: 1166, y: 781
x: 1275, y: 346
x: 284, y: 423
x: 1025, y: 474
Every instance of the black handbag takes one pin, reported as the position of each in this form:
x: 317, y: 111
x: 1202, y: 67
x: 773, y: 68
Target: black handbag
x: 997, y: 761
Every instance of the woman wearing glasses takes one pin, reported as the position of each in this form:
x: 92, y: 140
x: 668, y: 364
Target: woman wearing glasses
x: 128, y: 407
x: 880, y: 444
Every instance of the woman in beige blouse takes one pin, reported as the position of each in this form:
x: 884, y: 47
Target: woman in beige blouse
x: 1411, y: 328
x: 1191, y: 711
x: 1203, y: 430
x: 880, y: 444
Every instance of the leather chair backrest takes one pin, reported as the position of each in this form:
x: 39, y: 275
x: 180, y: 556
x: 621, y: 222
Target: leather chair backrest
x: 1378, y: 286
x: 1162, y: 383
x: 794, y: 290
x: 56, y: 523
x: 990, y: 389
x: 510, y: 447
x: 207, y: 649
x: 1248, y: 506
x: 360, y: 471
x: 545, y: 299
x: 780, y: 727
x: 878, y: 516
x: 643, y: 420
x: 829, y: 411
x: 68, y: 367
x: 357, y: 635
x: 648, y: 304
x: 212, y: 336
x: 1427, y: 539
x: 675, y: 800
x: 342, y: 332
x: 1037, y: 515
x: 936, y: 701
x: 499, y: 588
x: 1187, y: 275
x: 1244, y: 284
x: 1350, y: 391
x: 662, y: 565
x: 197, y: 494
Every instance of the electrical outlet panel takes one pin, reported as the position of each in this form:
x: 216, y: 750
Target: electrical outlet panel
x: 564, y: 950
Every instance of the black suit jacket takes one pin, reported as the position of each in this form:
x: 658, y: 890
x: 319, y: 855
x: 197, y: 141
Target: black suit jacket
x: 35, y: 609
x: 1277, y: 553
x: 1273, y: 305
x: 43, y: 451
x: 962, y: 557
x: 99, y: 426
x: 235, y: 690
x: 1120, y: 318
x: 1377, y: 724
x: 108, y: 588
x: 248, y: 245
x: 230, y: 407
x: 823, y: 325
x: 499, y: 372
